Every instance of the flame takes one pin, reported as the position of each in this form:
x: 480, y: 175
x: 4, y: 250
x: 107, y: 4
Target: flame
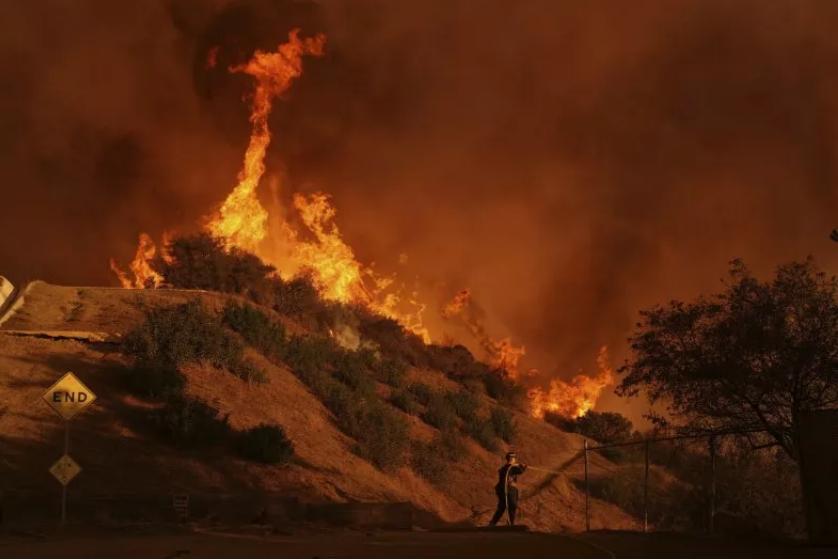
x: 144, y: 275
x: 241, y: 220
x: 502, y: 353
x: 573, y: 399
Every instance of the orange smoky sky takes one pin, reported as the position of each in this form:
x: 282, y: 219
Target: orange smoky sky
x: 567, y: 162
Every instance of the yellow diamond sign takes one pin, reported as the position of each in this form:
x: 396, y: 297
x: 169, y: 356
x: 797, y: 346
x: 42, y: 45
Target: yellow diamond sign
x: 65, y: 469
x: 69, y: 396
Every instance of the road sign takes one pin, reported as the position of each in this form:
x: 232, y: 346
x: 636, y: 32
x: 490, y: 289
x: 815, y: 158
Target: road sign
x: 69, y: 396
x: 65, y: 470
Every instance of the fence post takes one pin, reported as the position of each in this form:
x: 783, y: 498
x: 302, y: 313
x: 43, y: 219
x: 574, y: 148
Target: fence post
x: 587, y: 491
x: 712, y: 443
x: 646, y: 492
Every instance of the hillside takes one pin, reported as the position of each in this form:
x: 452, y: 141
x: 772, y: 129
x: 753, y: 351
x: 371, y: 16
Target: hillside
x: 55, y: 329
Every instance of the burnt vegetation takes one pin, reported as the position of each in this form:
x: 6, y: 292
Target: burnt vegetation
x: 346, y: 381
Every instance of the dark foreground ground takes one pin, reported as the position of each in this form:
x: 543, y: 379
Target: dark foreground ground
x: 390, y: 544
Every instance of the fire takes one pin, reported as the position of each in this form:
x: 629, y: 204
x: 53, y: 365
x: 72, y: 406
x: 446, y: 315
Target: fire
x: 573, y: 399
x: 241, y: 221
x: 501, y: 353
x: 313, y: 245
x: 144, y: 275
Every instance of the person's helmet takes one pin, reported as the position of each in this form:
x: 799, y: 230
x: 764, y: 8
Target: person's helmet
x: 510, y: 455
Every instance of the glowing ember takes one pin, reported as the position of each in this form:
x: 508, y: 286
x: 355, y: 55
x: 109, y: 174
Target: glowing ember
x: 573, y: 399
x: 144, y: 275
x: 241, y: 221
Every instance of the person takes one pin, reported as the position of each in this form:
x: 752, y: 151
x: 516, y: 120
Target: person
x: 507, y: 488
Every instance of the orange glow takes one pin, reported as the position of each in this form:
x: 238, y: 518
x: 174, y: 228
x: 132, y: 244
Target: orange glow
x: 574, y: 398
x: 144, y: 275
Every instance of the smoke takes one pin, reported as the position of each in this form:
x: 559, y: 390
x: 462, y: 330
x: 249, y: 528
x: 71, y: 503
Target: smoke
x: 567, y: 162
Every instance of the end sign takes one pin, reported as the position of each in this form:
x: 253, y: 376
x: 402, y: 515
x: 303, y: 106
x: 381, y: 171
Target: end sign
x: 69, y: 396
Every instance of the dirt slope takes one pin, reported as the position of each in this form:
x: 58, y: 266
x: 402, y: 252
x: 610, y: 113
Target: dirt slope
x: 45, y: 337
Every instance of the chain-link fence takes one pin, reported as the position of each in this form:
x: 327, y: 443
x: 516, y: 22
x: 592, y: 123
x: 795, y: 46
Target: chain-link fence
x: 720, y: 482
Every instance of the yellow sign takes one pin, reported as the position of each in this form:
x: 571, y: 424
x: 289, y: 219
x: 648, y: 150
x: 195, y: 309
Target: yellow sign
x: 65, y: 470
x: 69, y: 396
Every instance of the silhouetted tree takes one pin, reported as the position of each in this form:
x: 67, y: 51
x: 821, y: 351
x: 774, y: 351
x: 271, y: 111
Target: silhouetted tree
x: 754, y: 356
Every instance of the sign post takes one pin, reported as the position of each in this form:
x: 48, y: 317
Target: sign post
x: 67, y: 397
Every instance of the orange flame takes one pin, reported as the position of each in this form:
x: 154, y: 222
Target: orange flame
x: 501, y: 353
x: 241, y: 220
x: 144, y: 275
x: 573, y: 399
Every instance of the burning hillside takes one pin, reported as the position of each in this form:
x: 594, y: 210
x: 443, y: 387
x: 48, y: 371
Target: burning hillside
x: 319, y: 251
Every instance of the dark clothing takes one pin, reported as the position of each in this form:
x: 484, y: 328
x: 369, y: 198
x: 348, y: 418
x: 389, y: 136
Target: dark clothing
x: 507, y: 492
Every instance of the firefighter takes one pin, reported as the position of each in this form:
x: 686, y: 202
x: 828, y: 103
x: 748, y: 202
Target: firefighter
x: 507, y: 489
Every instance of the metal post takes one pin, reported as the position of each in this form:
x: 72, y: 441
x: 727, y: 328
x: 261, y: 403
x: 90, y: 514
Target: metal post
x: 64, y: 486
x: 712, y: 523
x: 587, y: 492
x: 646, y: 492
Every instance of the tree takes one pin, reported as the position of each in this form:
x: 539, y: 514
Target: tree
x: 753, y: 357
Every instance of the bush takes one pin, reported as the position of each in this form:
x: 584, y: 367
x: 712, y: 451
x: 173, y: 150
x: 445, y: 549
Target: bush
x: 421, y: 392
x: 504, y: 390
x: 351, y: 368
x: 188, y: 421
x: 172, y: 336
x: 432, y: 460
x: 392, y: 339
x: 604, y: 427
x: 482, y: 431
x: 463, y: 403
x: 158, y: 383
x: 256, y: 328
x: 297, y: 298
x: 250, y: 372
x: 439, y: 413
x: 201, y: 262
x: 265, y: 444
x: 405, y: 401
x: 310, y: 356
x: 391, y: 371
x: 503, y: 424
x: 383, y: 437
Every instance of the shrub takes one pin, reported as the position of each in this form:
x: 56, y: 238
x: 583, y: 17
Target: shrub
x: 172, y: 336
x: 503, y: 424
x: 392, y: 338
x: 432, y: 460
x: 604, y: 427
x: 405, y: 401
x: 201, y: 262
x: 310, y: 356
x: 351, y: 368
x: 421, y: 392
x: 188, y: 421
x: 159, y: 383
x: 482, y: 431
x: 439, y: 413
x: 383, y: 437
x: 504, y: 390
x: 391, y: 371
x: 463, y: 403
x: 297, y: 298
x: 250, y: 372
x: 257, y: 329
x: 265, y: 443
